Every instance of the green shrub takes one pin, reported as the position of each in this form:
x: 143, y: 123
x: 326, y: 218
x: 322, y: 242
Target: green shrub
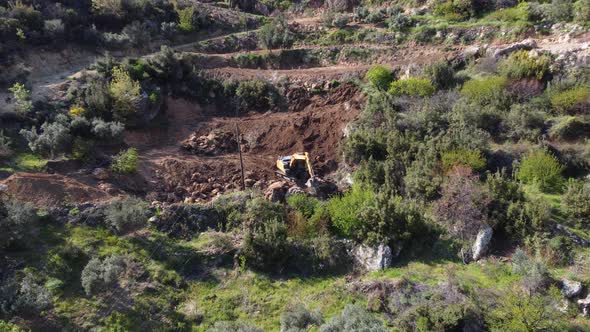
x: 525, y: 122
x: 456, y: 10
x: 441, y: 74
x: 570, y: 128
x: 485, y: 91
x: 523, y: 312
x: 471, y: 158
x: 380, y: 77
x: 276, y: 34
x: 125, y: 92
x: 257, y: 94
x: 303, y: 203
x: 9, y: 327
x: 345, y: 211
x: 100, y: 275
x: 266, y: 247
x: 22, y: 97
x: 541, y: 169
x: 582, y: 11
x: 54, y: 138
x: 534, y: 273
x: 186, y: 19
x: 300, y: 319
x: 571, y: 100
x: 127, y: 214
x: 16, y: 223
x: 521, y: 65
x: 576, y: 201
x: 415, y: 87
x: 125, y: 162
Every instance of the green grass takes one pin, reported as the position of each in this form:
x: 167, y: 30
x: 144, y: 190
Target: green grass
x: 24, y: 162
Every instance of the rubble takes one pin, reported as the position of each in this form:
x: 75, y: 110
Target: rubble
x: 214, y: 143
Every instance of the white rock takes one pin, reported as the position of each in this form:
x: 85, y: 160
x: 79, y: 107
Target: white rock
x: 373, y: 258
x: 482, y: 243
x: 570, y: 288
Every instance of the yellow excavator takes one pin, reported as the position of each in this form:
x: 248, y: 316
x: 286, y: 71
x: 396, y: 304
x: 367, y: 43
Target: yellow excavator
x: 296, y: 167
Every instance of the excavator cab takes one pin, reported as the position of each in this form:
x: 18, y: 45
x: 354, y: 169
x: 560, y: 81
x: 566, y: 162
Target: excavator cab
x: 296, y: 167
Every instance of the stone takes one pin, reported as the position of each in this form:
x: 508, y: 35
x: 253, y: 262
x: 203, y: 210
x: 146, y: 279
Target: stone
x: 482, y: 243
x: 570, y: 288
x: 373, y: 258
x: 101, y: 174
x: 585, y: 306
x: 276, y: 191
x: 574, y: 237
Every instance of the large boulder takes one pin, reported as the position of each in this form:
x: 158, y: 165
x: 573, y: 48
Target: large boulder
x: 570, y: 288
x: 373, y: 258
x: 482, y: 243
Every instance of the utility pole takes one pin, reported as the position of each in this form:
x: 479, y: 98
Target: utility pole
x: 243, y: 183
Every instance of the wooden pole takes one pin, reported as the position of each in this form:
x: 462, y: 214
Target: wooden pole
x: 243, y: 183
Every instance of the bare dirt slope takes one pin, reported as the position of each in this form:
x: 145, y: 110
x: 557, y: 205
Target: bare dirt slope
x: 181, y: 174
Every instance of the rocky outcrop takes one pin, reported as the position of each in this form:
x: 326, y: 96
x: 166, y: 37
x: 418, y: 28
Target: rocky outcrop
x: 373, y: 258
x: 574, y: 237
x: 527, y: 44
x: 570, y: 288
x: 482, y: 243
x: 212, y: 144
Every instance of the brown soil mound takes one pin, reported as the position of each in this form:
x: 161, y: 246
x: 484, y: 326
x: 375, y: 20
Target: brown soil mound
x: 52, y: 189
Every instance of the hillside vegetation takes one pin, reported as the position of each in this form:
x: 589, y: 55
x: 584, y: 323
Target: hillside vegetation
x: 450, y: 140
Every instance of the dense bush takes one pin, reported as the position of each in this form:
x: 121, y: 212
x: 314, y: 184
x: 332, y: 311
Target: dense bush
x: 125, y: 162
x: 534, y: 273
x: 100, y: 275
x: 465, y: 157
x: 53, y: 139
x: 266, y: 247
x: 276, y: 34
x: 17, y: 220
x: 257, y: 95
x: 485, y: 91
x: 126, y: 214
x: 22, y: 98
x: 572, y: 100
x: 415, y: 87
x: 345, y: 211
x: 300, y: 319
x: 5, y: 145
x: 576, y: 201
x: 525, y: 122
x: 522, y: 311
x: 353, y: 318
x: 455, y: 9
x: 541, y: 169
x: 461, y: 209
x: 521, y: 65
x: 582, y: 11
x: 441, y: 74
x: 125, y: 93
x: 380, y: 77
